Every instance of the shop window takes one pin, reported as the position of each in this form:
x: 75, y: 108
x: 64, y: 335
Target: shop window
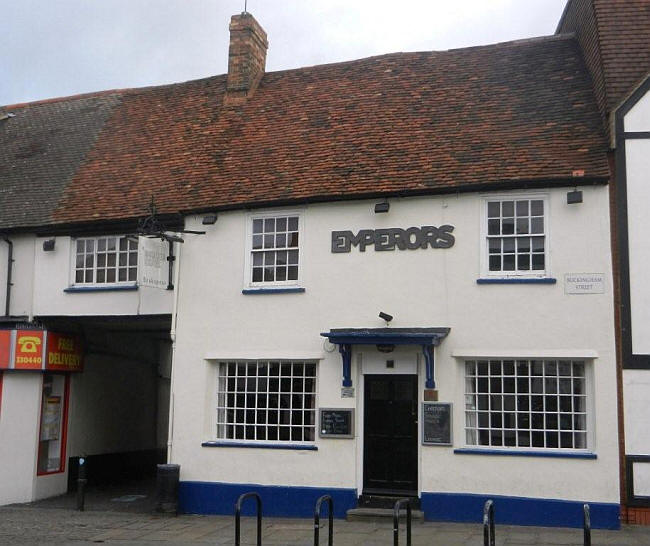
x: 526, y: 404
x: 105, y: 260
x: 274, y: 250
x: 52, y: 433
x: 515, y: 237
x: 272, y: 401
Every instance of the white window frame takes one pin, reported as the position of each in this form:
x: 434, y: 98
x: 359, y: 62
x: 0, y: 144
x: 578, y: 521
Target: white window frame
x: 95, y: 284
x: 590, y: 422
x: 219, y: 407
x: 484, y: 248
x: 248, y: 262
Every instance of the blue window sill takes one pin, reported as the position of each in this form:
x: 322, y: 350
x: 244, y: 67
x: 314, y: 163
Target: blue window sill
x: 274, y: 290
x: 517, y: 280
x: 518, y: 453
x: 295, y: 447
x: 116, y: 288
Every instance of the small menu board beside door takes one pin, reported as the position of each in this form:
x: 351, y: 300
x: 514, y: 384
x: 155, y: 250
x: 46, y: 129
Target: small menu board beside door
x: 336, y: 423
x: 436, y: 423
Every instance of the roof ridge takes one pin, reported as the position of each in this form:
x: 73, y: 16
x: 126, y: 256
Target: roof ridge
x: 134, y: 90
x: 91, y: 94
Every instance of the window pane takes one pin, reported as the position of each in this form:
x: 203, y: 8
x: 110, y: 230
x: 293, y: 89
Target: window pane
x: 503, y: 418
x: 258, y: 225
x: 522, y: 208
x: 494, y: 209
x: 508, y: 208
x: 494, y: 227
x: 537, y: 208
x: 508, y: 226
x: 291, y: 410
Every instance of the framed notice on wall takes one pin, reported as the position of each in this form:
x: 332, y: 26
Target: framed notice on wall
x: 336, y: 423
x: 436, y: 423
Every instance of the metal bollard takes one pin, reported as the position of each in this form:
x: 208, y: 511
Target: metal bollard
x: 81, y: 485
x: 396, y: 510
x: 586, y: 525
x: 317, y: 510
x: 258, y: 502
x: 488, y: 524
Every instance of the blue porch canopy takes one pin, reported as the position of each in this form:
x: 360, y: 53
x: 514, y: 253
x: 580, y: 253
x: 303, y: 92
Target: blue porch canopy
x: 427, y: 338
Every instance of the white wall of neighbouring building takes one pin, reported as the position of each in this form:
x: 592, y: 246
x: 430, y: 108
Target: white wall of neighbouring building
x: 636, y: 383
x: 19, y: 422
x: 420, y: 288
x: 52, y: 275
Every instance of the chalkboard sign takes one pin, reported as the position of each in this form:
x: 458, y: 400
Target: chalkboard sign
x: 336, y: 423
x: 436, y: 423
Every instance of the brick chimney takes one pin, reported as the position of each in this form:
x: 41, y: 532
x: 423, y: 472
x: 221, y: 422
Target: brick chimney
x: 246, y: 58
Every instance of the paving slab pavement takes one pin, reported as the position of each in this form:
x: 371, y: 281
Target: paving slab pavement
x: 29, y: 525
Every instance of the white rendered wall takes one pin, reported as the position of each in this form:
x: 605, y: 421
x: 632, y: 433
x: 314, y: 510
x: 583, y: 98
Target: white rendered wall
x: 19, y: 422
x: 52, y: 276
x: 638, y: 118
x: 637, y: 164
x: 636, y: 383
x: 636, y: 389
x: 421, y: 288
x: 22, y: 275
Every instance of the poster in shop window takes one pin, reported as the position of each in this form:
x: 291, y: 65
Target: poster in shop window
x: 51, y: 423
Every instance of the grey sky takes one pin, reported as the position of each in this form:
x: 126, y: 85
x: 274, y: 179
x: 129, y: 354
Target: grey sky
x: 51, y: 48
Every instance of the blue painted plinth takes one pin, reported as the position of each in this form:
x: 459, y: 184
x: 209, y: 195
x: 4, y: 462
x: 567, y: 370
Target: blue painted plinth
x: 461, y: 507
x: 277, y: 501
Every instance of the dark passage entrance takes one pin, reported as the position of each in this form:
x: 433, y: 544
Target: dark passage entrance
x: 390, y: 447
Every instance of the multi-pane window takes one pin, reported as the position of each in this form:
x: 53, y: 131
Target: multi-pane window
x: 516, y: 239
x: 275, y: 249
x: 103, y: 260
x: 267, y: 400
x: 526, y: 403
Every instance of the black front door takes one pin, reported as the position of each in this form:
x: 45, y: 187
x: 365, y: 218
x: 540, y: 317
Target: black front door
x: 390, y: 440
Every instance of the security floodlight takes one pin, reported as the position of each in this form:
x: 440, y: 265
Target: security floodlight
x: 385, y: 316
x: 384, y: 206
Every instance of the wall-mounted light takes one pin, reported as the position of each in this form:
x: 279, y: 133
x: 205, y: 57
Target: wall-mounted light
x: 384, y: 206
x: 574, y: 197
x: 385, y: 348
x: 209, y: 220
x: 48, y: 245
x: 385, y: 316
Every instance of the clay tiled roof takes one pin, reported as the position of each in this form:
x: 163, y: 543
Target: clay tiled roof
x: 615, y: 36
x: 518, y: 113
x: 41, y: 149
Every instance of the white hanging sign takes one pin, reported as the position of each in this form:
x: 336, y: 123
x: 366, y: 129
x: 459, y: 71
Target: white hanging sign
x: 153, y: 269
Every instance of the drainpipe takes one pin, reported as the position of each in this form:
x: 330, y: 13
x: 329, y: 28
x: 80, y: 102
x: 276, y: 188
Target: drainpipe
x: 10, y: 260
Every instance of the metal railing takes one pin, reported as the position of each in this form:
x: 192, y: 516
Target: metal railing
x: 396, y: 511
x: 317, y: 511
x: 258, y: 502
x: 586, y: 525
x: 488, y: 524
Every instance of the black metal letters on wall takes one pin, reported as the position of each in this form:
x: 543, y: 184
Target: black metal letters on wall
x: 394, y: 238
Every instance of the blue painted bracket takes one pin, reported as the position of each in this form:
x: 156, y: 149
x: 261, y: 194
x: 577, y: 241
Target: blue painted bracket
x: 346, y: 353
x: 428, y: 359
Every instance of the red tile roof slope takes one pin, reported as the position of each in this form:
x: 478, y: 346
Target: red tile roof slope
x: 404, y: 123
x: 615, y: 36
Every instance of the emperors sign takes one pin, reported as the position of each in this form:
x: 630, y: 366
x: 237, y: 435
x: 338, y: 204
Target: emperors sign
x: 394, y: 238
